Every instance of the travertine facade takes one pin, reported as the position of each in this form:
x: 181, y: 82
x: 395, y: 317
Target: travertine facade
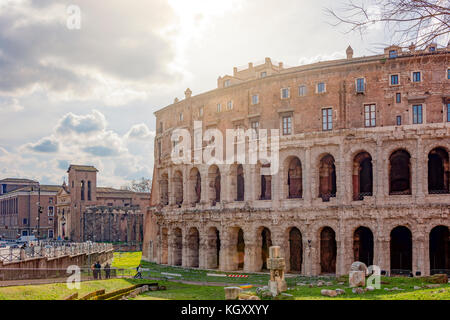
x: 364, y: 169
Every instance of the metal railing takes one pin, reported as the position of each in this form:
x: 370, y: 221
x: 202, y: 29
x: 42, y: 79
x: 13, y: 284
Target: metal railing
x: 51, y: 249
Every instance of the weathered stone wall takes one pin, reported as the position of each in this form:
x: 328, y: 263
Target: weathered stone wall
x: 41, y: 268
x: 113, y: 224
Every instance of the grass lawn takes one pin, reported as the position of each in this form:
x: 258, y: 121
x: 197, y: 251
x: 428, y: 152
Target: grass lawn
x: 180, y: 291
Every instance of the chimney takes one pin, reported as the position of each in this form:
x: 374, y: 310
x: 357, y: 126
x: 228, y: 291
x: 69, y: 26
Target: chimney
x: 235, y: 71
x: 188, y: 93
x: 175, y: 100
x: 280, y: 65
x: 349, y: 52
x: 268, y: 61
x: 250, y: 65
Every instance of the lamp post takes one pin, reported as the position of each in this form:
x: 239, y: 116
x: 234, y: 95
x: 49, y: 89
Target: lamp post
x: 39, y: 211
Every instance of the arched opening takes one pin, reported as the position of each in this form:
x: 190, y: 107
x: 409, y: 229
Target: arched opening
x: 240, y: 183
x: 438, y: 171
x: 178, y: 187
x: 193, y: 242
x: 164, y: 190
x: 363, y: 245
x: 164, y: 246
x: 362, y: 176
x: 214, y: 184
x: 400, y: 173
x: 266, y: 243
x: 295, y: 250
x: 240, y: 248
x: 328, y: 251
x: 327, y: 178
x: 401, y: 250
x: 295, y: 179
x: 195, y: 186
x: 440, y: 250
x: 177, y: 247
x: 213, y: 255
x: 265, y: 182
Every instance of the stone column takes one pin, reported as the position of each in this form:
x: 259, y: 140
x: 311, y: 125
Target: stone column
x: 227, y: 253
x: 203, y: 249
x: 248, y: 183
x: 171, y: 187
x: 185, y: 173
x: 379, y: 173
x: 251, y: 256
x: 419, y: 253
x: 307, y: 179
x: 185, y: 251
x: 205, y: 185
x: 419, y: 174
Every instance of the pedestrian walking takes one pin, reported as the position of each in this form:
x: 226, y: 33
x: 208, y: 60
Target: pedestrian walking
x: 107, y: 269
x: 138, y: 270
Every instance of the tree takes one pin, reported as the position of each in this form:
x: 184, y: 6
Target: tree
x: 420, y: 22
x: 142, y: 185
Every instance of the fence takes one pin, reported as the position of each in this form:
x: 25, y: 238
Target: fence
x: 51, y: 250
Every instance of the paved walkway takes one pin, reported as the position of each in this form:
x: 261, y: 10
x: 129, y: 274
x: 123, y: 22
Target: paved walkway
x: 11, y: 283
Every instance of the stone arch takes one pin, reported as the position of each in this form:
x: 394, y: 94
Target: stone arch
x: 164, y: 246
x: 327, y: 177
x: 237, y: 253
x: 214, y: 183
x: 264, y: 182
x: 400, y: 173
x: 438, y: 171
x: 294, y: 176
x: 213, y: 248
x: 195, y: 186
x: 264, y: 240
x: 363, y: 245
x: 178, y: 187
x: 164, y: 189
x: 362, y: 176
x: 328, y: 250
x: 193, y: 248
x: 177, y: 247
x: 295, y: 250
x: 238, y: 182
x: 401, y: 250
x: 439, y: 250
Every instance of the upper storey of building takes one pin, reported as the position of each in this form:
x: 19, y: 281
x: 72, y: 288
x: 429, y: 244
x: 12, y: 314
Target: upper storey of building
x: 398, y: 87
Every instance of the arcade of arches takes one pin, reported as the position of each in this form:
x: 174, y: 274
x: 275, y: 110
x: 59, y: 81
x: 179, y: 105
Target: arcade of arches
x: 236, y: 248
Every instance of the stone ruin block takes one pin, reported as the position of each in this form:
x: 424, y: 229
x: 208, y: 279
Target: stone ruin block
x: 357, y: 279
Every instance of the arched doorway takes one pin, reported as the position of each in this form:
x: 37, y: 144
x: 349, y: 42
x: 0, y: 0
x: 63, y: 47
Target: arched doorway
x: 294, y: 179
x: 164, y: 246
x: 178, y: 187
x: 327, y: 178
x: 193, y: 242
x: 362, y: 176
x: 440, y: 250
x: 400, y: 173
x: 195, y: 186
x: 363, y: 245
x: 265, y: 182
x: 266, y: 243
x: 214, y: 184
x: 401, y: 250
x: 295, y: 250
x: 328, y: 250
x: 438, y: 171
x: 213, y: 253
x: 164, y: 190
x: 177, y: 247
x: 240, y: 249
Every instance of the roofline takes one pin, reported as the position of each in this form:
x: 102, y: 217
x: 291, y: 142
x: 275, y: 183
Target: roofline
x: 318, y: 66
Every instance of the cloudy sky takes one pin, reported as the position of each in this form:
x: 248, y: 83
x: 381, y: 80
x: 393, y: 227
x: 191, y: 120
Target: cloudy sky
x: 87, y: 96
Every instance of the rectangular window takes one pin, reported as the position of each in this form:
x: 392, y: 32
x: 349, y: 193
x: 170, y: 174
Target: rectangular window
x: 448, y: 112
x: 448, y: 74
x: 219, y: 107
x: 263, y: 74
x: 287, y: 125
x: 50, y: 233
x: 394, y: 79
x: 398, y: 97
x: 24, y: 233
x: 181, y: 116
x: 416, y: 77
x: 370, y: 115
x: 24, y: 221
x: 159, y: 149
x: 230, y: 105
x: 327, y: 119
x: 227, y: 83
x: 200, y: 112
x: 399, y: 120
x: 393, y: 54
x: 360, y: 85
x: 285, y: 93
x: 321, y: 87
x: 50, y: 211
x: 417, y: 114
x: 255, y: 99
x: 50, y: 200
x: 302, y: 91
